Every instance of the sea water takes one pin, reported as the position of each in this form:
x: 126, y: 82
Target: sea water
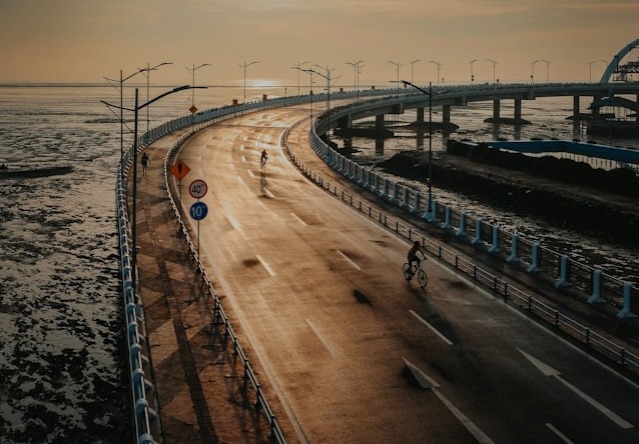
x: 63, y: 372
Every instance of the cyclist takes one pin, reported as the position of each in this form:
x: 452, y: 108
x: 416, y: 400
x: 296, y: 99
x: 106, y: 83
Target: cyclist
x: 263, y: 158
x: 413, y: 257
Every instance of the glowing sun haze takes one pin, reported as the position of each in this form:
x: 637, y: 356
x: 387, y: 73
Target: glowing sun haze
x: 84, y: 40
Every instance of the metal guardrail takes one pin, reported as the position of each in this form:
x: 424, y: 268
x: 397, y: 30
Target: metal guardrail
x: 508, y: 292
x: 144, y: 400
x: 595, y: 285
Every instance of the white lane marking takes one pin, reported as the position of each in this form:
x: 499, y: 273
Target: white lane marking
x: 423, y: 321
x: 265, y: 265
x: 349, y: 260
x: 563, y: 437
x: 243, y: 158
x: 299, y: 220
x: 328, y: 346
x: 477, y: 433
x: 250, y: 172
x: 268, y: 193
x: 547, y: 370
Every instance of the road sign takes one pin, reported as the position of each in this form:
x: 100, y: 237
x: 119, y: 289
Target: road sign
x: 198, y: 189
x: 193, y: 109
x: 199, y: 210
x: 180, y: 169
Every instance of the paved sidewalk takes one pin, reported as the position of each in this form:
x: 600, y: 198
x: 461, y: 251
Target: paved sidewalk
x: 196, y: 378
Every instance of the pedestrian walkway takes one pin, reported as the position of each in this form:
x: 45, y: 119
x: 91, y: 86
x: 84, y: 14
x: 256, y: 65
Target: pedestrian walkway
x: 195, y: 377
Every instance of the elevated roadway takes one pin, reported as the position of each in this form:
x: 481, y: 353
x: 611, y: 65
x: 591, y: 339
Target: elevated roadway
x: 347, y: 350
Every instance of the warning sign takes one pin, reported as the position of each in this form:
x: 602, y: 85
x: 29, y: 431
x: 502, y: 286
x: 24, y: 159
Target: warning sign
x: 193, y: 109
x: 180, y: 170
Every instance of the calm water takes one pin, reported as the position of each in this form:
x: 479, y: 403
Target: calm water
x: 63, y: 376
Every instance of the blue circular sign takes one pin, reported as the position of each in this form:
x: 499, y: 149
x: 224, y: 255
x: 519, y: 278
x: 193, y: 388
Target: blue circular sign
x: 199, y: 210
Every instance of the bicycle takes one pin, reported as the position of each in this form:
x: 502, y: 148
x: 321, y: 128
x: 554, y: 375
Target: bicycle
x: 415, y: 269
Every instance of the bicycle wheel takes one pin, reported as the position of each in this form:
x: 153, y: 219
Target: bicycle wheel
x: 407, y: 272
x: 422, y: 278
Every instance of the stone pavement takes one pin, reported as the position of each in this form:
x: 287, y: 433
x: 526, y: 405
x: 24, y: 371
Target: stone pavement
x: 196, y: 378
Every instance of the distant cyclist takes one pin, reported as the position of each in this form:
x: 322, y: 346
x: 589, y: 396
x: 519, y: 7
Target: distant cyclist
x: 413, y: 254
x: 145, y: 163
x: 263, y: 158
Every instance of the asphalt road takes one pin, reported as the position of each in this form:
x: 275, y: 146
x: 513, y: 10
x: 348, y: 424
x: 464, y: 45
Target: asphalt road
x: 351, y: 351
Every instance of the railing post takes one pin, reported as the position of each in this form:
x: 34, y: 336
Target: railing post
x: 514, y: 249
x: 430, y: 216
x: 415, y: 208
x: 535, y: 262
x: 404, y: 203
x: 626, y: 311
x: 494, y: 247
x: 595, y: 296
x: 477, y: 238
x: 461, y: 232
x: 446, y: 225
x: 564, y: 272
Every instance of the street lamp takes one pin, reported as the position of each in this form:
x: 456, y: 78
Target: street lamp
x: 244, y: 66
x: 532, y: 70
x: 356, y: 72
x: 591, y: 63
x: 148, y: 80
x: 298, y: 67
x: 121, y: 89
x: 439, y: 67
x: 429, y: 93
x: 472, y: 76
x: 134, y: 154
x: 327, y: 76
x: 193, y: 109
x: 310, y: 72
x: 412, y: 66
x: 397, y: 65
x: 494, y: 62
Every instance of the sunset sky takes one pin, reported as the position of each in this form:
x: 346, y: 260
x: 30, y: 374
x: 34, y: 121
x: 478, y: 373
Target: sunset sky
x: 85, y: 40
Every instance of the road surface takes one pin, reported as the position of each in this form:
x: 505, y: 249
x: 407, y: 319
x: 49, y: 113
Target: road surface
x: 347, y: 348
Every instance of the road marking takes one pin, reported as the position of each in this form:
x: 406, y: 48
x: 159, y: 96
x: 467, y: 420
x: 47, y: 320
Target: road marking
x: 423, y: 321
x: 547, y: 370
x: 477, y: 433
x: 243, y: 158
x: 357, y: 267
x: 265, y: 265
x: 300, y: 220
x: 329, y: 347
x: 563, y: 437
x: 242, y: 147
x: 250, y: 172
x: 268, y: 193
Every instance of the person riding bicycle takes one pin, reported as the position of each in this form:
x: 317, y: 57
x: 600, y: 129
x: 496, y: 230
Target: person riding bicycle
x: 263, y: 158
x: 412, y: 255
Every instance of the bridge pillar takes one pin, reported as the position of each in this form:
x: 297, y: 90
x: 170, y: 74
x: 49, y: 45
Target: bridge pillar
x: 420, y: 115
x: 518, y: 110
x: 496, y: 109
x: 446, y: 116
x: 575, y: 106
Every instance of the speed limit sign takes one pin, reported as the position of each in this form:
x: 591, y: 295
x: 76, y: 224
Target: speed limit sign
x: 198, y: 189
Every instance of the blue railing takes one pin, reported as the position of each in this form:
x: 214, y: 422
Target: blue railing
x: 595, y: 285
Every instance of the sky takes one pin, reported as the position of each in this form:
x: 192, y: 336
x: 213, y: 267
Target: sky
x: 68, y: 41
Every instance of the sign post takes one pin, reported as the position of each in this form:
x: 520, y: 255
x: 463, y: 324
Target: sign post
x: 199, y: 210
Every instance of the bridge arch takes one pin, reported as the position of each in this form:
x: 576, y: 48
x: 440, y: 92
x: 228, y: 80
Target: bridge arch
x: 614, y: 63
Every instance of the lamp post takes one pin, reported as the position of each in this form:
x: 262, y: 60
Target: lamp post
x: 310, y: 72
x: 472, y: 76
x: 244, y: 66
x: 412, y: 68
x: 121, y: 107
x: 532, y: 70
x: 590, y: 66
x: 494, y: 63
x: 148, y: 80
x: 429, y: 93
x: 327, y: 76
x: 397, y: 65
x: 298, y: 68
x: 439, y: 67
x: 356, y: 72
x: 193, y: 69
x: 136, y: 109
